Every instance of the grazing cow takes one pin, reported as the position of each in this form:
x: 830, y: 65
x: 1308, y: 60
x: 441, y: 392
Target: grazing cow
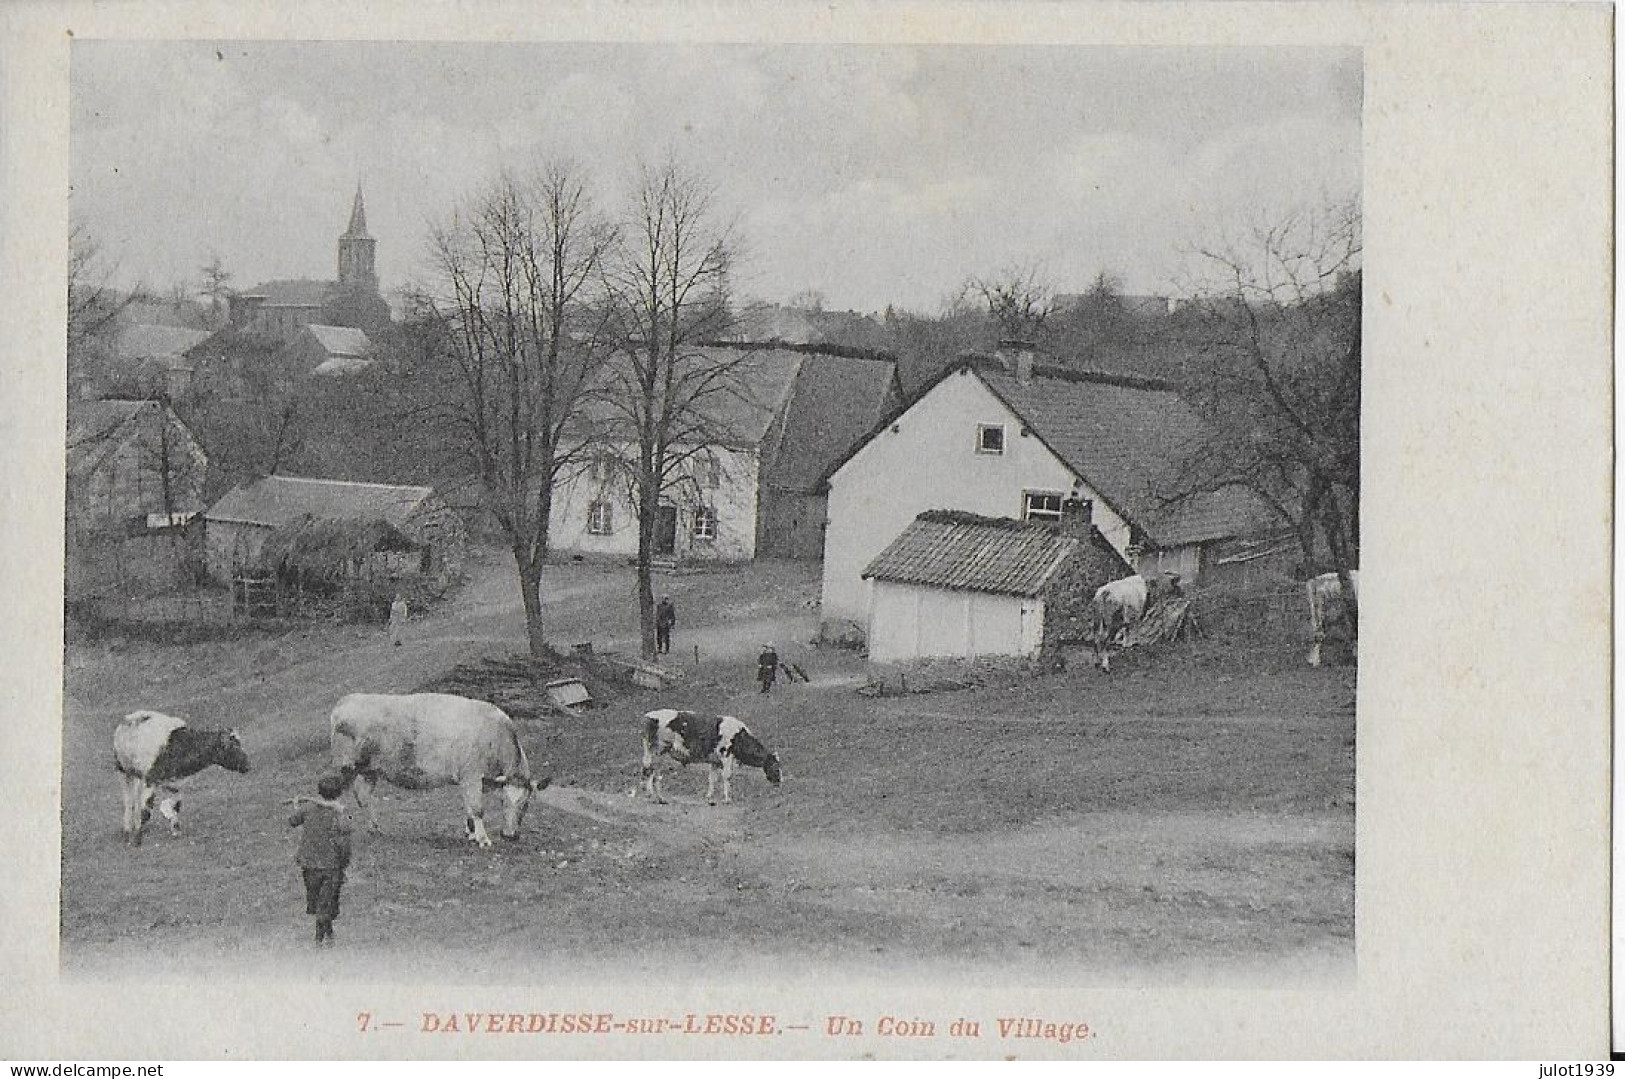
x: 1118, y: 605
x: 424, y: 740
x: 153, y: 752
x: 723, y: 742
x: 1328, y: 606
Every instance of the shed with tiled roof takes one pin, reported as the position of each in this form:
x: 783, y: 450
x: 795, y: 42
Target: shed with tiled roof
x: 963, y: 586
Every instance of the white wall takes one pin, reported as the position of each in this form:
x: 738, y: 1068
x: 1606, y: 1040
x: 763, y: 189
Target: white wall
x: 930, y: 462
x: 909, y: 622
x: 734, y: 499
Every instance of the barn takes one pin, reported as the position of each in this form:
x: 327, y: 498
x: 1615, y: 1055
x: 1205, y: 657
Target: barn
x: 409, y: 531
x: 962, y: 586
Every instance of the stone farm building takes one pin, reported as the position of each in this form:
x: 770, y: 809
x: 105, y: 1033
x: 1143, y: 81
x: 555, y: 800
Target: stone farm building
x: 134, y: 471
x: 753, y: 487
x: 240, y: 524
x: 1006, y: 437
x: 961, y: 586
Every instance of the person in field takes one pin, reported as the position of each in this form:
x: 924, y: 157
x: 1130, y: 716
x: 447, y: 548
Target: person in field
x: 398, y: 614
x: 767, y: 667
x: 665, y: 620
x: 324, y: 852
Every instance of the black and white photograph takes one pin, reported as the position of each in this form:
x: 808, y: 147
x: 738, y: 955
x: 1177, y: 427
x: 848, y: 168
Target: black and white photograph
x: 759, y: 543
x: 950, y: 453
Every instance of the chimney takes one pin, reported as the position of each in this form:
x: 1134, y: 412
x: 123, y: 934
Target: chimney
x: 1017, y: 358
x: 1078, y: 518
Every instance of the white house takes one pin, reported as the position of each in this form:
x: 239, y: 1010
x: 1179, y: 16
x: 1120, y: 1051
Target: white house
x: 958, y: 585
x: 753, y: 486
x: 1005, y: 437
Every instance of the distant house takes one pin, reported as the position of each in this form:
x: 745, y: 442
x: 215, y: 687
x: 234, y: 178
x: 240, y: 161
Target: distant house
x: 240, y: 524
x: 135, y: 473
x: 327, y: 350
x: 752, y: 486
x: 129, y: 461
x: 1007, y: 437
x: 958, y: 585
x: 154, y: 357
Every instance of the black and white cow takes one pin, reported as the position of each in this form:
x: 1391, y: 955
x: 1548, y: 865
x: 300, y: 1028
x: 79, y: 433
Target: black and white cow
x: 723, y: 742
x: 153, y: 752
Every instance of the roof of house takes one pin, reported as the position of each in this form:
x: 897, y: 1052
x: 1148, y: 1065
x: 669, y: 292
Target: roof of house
x: 1120, y: 433
x: 279, y: 500
x: 742, y: 404
x: 344, y: 341
x: 295, y: 292
x: 967, y: 552
x: 834, y: 403
x: 91, y: 427
x: 146, y: 342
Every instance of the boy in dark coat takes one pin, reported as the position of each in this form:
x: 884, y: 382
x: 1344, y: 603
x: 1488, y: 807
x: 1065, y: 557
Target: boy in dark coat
x: 767, y: 667
x: 665, y: 619
x: 324, y: 852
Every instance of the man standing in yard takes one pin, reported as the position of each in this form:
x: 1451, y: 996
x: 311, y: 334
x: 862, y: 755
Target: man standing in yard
x: 398, y: 612
x: 665, y: 619
x: 767, y: 667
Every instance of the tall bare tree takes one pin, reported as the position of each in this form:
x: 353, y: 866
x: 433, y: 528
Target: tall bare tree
x: 1019, y: 300
x: 94, y: 307
x: 1275, y: 337
x: 216, y: 285
x: 669, y: 293
x: 508, y: 317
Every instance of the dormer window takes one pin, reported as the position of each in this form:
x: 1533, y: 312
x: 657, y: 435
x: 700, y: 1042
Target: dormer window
x: 990, y: 438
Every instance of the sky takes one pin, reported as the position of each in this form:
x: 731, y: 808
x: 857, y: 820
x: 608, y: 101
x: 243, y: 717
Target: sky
x: 874, y: 175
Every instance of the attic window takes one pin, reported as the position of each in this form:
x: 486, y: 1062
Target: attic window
x: 600, y: 518
x: 1041, y: 506
x: 990, y: 438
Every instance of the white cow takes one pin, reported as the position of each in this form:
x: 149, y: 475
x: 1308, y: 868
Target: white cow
x: 1327, y: 606
x: 1118, y: 605
x: 723, y: 742
x: 153, y: 752
x: 424, y: 740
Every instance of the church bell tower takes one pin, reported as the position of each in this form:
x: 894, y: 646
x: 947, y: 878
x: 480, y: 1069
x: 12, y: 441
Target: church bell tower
x: 357, y: 251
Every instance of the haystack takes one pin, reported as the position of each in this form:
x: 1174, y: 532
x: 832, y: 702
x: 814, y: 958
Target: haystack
x: 328, y: 550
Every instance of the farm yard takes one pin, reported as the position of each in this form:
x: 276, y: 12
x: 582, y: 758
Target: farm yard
x: 1188, y: 817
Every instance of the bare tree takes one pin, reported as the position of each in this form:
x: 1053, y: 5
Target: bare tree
x: 669, y: 292
x: 94, y: 307
x: 216, y: 285
x: 1019, y: 300
x: 507, y: 315
x: 1275, y: 340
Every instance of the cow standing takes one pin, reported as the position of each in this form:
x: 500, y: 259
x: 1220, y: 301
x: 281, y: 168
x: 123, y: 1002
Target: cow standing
x: 421, y: 741
x: 723, y: 742
x: 1327, y: 606
x: 1119, y: 605
x: 153, y: 752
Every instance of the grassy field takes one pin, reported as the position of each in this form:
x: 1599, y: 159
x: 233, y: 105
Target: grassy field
x: 1188, y: 817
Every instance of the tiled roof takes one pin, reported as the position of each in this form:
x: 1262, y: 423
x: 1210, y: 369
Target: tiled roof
x: 345, y: 341
x: 836, y: 401
x: 966, y: 552
x: 745, y: 402
x: 297, y: 291
x: 1122, y: 435
x: 280, y: 500
x: 144, y: 342
x: 91, y: 425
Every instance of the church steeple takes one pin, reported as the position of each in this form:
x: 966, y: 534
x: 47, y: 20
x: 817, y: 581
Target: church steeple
x: 357, y: 251
x: 358, y: 217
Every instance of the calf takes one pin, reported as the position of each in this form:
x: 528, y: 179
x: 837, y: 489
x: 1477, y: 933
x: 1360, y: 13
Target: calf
x: 723, y: 742
x: 153, y: 752
x: 1118, y: 605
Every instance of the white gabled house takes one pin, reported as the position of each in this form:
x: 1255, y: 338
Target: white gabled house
x: 753, y: 488
x: 1006, y: 437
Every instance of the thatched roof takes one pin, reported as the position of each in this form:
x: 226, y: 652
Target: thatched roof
x: 328, y: 547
